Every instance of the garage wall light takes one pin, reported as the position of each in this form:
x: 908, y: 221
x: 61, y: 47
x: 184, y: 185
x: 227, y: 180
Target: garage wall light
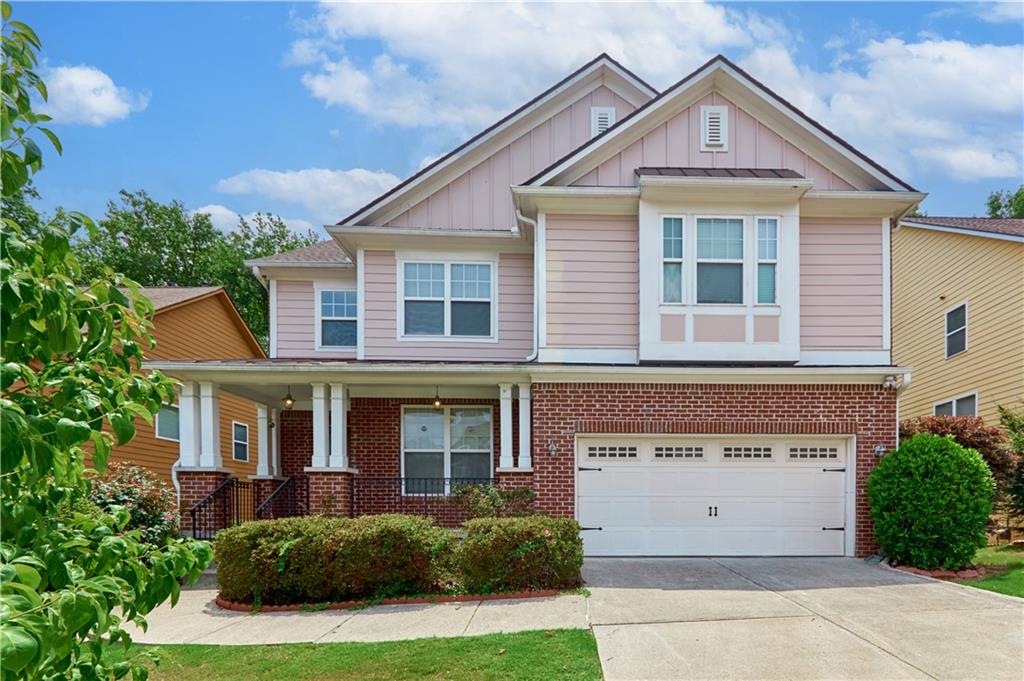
x: 552, y: 447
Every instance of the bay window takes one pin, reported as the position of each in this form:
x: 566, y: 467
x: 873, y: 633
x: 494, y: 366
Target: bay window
x: 338, y: 319
x: 442, y: 448
x: 672, y: 260
x: 447, y: 299
x: 767, y: 257
x: 720, y: 260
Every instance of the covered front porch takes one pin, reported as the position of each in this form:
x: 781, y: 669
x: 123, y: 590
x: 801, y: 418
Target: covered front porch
x: 347, y: 443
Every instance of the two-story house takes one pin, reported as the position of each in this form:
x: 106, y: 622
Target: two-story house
x: 666, y: 312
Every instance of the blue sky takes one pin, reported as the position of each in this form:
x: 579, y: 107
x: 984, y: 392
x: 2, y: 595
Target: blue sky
x: 310, y: 110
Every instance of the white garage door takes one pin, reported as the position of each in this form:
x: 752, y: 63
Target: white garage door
x: 711, y: 497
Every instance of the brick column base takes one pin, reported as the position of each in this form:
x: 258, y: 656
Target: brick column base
x: 194, y: 485
x: 513, y: 479
x: 263, y: 487
x: 330, y: 492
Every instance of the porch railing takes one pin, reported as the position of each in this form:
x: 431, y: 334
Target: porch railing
x: 290, y: 498
x: 417, y: 496
x: 229, y: 504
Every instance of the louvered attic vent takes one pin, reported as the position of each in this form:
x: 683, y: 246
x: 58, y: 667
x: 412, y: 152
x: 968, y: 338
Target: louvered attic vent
x: 601, y: 118
x: 714, y: 128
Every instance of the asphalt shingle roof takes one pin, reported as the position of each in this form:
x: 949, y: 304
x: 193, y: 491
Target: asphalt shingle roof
x: 1006, y: 226
x: 327, y: 252
x: 166, y: 296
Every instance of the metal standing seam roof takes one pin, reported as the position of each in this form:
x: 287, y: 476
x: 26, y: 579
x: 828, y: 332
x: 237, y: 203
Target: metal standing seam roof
x: 756, y: 173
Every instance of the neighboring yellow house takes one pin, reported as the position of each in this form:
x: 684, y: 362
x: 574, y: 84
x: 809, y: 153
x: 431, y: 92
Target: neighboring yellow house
x: 958, y: 314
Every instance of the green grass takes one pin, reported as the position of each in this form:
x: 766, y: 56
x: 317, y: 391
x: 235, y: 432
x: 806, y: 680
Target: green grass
x: 542, y: 655
x: 1010, y: 558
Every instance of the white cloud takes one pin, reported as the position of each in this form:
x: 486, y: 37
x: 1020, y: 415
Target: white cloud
x: 84, y: 94
x: 226, y: 220
x: 998, y: 12
x: 427, y: 160
x: 328, y: 195
x: 970, y: 162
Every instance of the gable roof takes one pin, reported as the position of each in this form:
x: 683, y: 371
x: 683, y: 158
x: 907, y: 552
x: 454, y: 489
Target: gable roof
x: 1011, y: 229
x: 601, y: 60
x: 717, y: 63
x: 326, y: 252
x: 167, y: 298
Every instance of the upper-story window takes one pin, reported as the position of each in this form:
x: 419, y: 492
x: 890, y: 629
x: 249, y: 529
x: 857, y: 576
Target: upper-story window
x: 672, y: 260
x: 338, y: 319
x: 960, y: 406
x: 767, y: 257
x: 956, y: 330
x: 720, y: 260
x: 447, y: 299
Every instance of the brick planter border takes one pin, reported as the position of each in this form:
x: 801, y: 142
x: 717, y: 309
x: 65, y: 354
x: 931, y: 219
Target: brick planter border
x: 349, y: 605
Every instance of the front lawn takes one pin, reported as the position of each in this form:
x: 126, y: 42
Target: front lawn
x: 541, y: 655
x: 1009, y: 558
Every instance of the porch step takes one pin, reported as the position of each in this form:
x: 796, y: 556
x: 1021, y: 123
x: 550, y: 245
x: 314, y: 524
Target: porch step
x: 206, y: 581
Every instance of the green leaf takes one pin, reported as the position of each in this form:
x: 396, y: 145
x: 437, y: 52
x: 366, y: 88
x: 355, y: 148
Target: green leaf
x: 28, y: 575
x: 17, y: 648
x: 72, y: 432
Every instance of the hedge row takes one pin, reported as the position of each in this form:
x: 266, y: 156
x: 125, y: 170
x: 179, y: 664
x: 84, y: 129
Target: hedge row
x: 315, y: 559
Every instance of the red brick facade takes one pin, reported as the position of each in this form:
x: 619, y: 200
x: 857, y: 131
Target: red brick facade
x: 563, y: 410
x: 193, y: 487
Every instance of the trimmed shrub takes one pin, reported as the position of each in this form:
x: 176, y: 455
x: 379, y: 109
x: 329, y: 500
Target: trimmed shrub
x: 930, y: 502
x: 511, y: 554
x: 151, y: 503
x: 971, y: 433
x: 491, y: 501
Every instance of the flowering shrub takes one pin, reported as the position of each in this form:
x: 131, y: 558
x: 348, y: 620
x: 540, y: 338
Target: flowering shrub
x: 150, y: 502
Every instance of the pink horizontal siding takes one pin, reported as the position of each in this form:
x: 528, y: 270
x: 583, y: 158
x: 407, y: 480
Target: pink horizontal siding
x: 296, y: 321
x: 593, y: 281
x: 841, y: 283
x: 480, y: 198
x: 515, y: 315
x: 676, y: 143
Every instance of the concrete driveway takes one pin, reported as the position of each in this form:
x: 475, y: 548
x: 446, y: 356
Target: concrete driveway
x: 796, y: 618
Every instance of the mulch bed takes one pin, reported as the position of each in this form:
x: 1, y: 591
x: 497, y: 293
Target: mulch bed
x: 412, y: 600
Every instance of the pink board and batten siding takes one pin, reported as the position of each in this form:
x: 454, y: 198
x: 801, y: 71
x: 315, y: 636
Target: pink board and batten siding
x: 841, y: 289
x: 676, y: 143
x: 515, y: 315
x: 296, y: 321
x: 593, y: 281
x: 480, y: 198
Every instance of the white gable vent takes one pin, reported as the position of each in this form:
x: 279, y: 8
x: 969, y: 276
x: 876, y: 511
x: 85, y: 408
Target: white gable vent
x: 601, y: 118
x: 714, y: 128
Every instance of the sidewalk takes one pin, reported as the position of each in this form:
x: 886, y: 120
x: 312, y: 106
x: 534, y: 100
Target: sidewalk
x: 197, y: 619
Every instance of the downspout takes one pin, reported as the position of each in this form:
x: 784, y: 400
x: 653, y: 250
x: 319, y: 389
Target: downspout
x: 536, y: 291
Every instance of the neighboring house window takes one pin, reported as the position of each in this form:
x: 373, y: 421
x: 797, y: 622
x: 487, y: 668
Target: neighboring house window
x: 672, y: 260
x: 167, y: 424
x: 767, y: 257
x: 956, y: 330
x: 720, y: 260
x: 338, y: 319
x: 445, y: 447
x: 961, y: 406
x: 447, y: 299
x: 601, y: 118
x: 239, y: 441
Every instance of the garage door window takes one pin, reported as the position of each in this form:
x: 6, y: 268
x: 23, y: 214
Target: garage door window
x: 445, y: 447
x: 611, y: 452
x: 746, y: 453
x: 678, y: 452
x: 813, y: 453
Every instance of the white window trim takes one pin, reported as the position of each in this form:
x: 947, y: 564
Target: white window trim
x: 946, y: 333
x: 156, y: 424
x: 744, y: 261
x: 447, y: 337
x: 953, y: 400
x: 766, y: 261
x: 596, y: 111
x: 447, y: 439
x: 247, y: 442
x: 705, y: 111
x: 681, y: 261
x: 317, y: 290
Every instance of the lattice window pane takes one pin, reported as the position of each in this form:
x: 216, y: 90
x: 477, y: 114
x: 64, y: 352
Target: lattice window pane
x: 746, y: 453
x: 611, y: 452
x: 813, y: 453
x: 678, y: 452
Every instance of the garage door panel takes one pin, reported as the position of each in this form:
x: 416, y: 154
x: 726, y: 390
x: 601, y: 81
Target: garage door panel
x: 614, y: 511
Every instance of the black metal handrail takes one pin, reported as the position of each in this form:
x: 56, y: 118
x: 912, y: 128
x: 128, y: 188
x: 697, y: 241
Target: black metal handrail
x: 230, y: 503
x: 290, y: 498
x: 377, y: 494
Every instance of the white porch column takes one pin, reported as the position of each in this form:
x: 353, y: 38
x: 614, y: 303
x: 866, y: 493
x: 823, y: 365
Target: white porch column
x: 319, y: 426
x: 525, y: 455
x: 263, y: 441
x: 189, y: 445
x: 339, y: 427
x: 209, y: 418
x: 273, y: 440
x: 505, y: 392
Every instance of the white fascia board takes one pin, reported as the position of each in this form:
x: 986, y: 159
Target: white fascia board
x: 355, y: 239
x: 534, y: 201
x: 962, y: 231
x: 875, y: 204
x: 754, y: 189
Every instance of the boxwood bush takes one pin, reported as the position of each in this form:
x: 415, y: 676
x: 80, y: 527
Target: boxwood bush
x: 533, y: 552
x: 930, y: 502
x: 315, y: 559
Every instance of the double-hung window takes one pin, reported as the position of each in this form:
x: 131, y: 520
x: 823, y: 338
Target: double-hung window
x: 239, y: 441
x: 767, y: 258
x: 960, y: 406
x: 956, y: 330
x: 447, y: 299
x: 443, y: 448
x: 166, y: 426
x: 720, y: 260
x: 338, y: 319
x: 672, y: 260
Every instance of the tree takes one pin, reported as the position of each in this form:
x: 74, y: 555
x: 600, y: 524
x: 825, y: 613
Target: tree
x: 70, y: 377
x: 970, y: 432
x: 1012, y: 422
x: 160, y: 244
x: 1003, y: 204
